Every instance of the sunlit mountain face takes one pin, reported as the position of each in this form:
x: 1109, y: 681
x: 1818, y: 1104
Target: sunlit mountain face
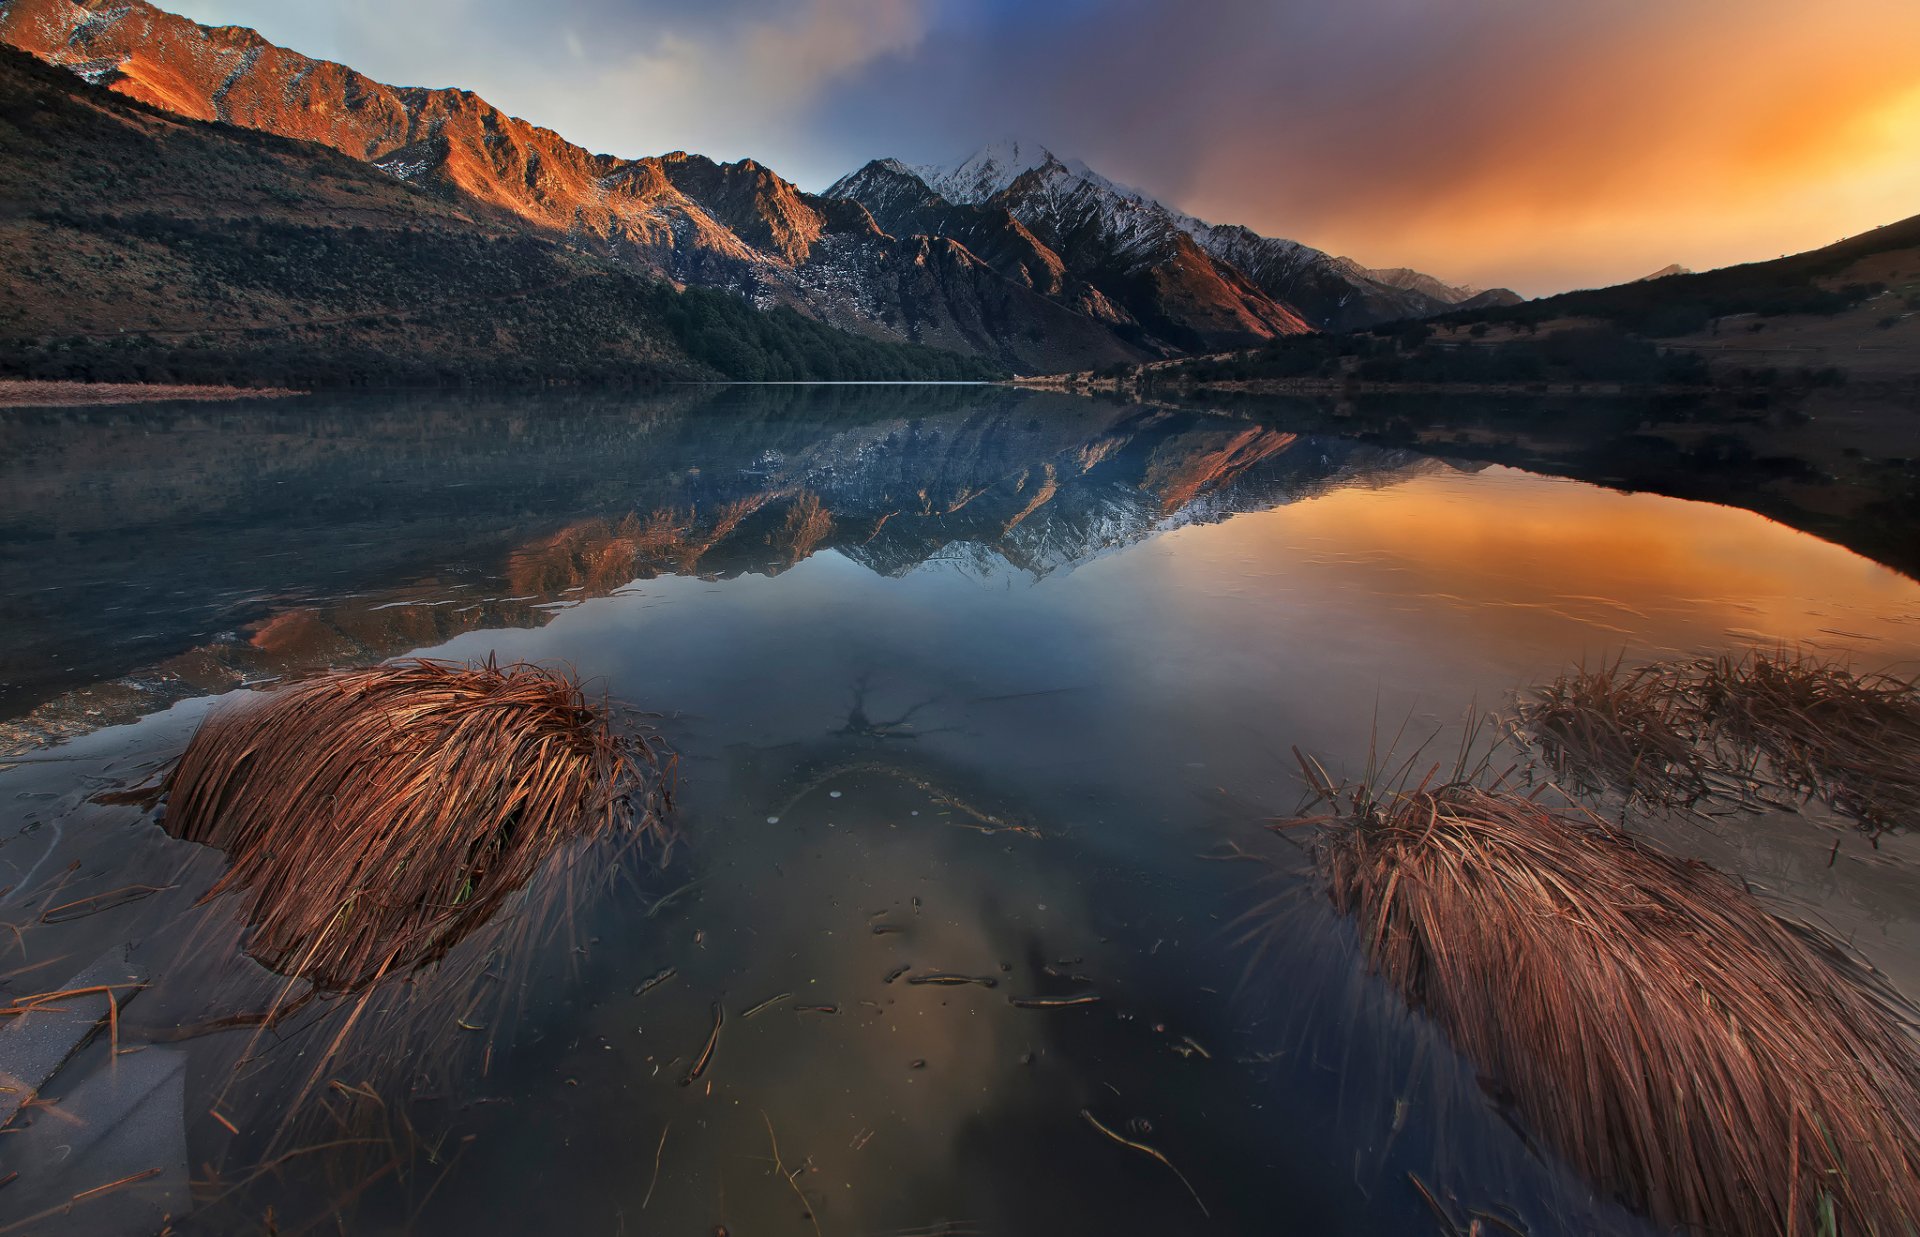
x: 1013, y: 254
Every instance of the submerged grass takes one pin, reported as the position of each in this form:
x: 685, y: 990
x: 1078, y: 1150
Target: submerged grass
x: 1704, y: 1062
x: 1853, y: 740
x: 1673, y: 733
x: 374, y: 818
x: 1632, y: 728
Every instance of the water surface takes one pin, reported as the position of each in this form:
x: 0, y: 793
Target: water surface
x: 969, y: 682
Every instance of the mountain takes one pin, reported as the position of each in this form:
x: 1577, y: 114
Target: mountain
x: 1189, y: 285
x: 146, y: 247
x: 1847, y: 315
x: 1136, y: 251
x: 737, y: 227
x: 902, y: 203
x: 1036, y: 263
x: 1672, y: 268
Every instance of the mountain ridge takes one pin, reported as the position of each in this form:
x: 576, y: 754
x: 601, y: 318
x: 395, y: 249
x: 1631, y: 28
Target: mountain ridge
x: 148, y: 247
x: 678, y: 216
x: 1324, y: 292
x: 1036, y: 263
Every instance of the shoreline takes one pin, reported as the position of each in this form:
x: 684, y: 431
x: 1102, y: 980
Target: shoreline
x: 35, y: 393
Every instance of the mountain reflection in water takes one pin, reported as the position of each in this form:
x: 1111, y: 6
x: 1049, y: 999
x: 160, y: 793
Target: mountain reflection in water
x: 180, y: 552
x: 966, y: 685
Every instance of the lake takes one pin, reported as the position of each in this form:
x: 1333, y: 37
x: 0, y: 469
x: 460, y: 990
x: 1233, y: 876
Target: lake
x: 961, y: 684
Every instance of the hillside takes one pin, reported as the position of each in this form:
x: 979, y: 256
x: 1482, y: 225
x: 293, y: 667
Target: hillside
x: 157, y: 248
x: 1062, y: 270
x: 735, y: 227
x: 1847, y: 313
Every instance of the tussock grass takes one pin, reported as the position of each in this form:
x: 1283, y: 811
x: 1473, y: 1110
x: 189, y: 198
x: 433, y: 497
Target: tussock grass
x: 1853, y: 740
x: 1673, y: 733
x: 1636, y: 728
x: 373, y: 818
x: 1704, y: 1062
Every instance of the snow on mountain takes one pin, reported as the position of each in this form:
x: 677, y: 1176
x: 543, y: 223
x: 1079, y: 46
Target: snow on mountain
x: 1065, y: 198
x: 985, y: 172
x: 1407, y: 278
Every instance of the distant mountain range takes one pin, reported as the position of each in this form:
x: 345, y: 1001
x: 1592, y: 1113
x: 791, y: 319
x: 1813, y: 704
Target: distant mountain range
x: 1014, y: 255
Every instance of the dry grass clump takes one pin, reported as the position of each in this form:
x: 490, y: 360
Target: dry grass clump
x: 1853, y: 740
x: 1692, y: 1055
x: 1675, y: 732
x: 1636, y: 729
x: 373, y: 818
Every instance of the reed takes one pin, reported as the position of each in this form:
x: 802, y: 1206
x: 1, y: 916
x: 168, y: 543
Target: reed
x: 1637, y: 729
x: 373, y: 818
x: 1702, y: 1061
x: 1675, y: 732
x: 1853, y: 740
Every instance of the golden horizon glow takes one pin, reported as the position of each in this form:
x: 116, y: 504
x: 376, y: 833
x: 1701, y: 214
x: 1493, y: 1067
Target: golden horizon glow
x: 1502, y: 556
x: 1696, y: 138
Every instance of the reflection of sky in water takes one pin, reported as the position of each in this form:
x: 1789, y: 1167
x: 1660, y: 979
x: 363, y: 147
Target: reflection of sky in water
x: 1133, y: 716
x: 1138, y: 712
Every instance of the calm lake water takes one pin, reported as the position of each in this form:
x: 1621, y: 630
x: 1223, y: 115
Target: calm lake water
x: 970, y: 682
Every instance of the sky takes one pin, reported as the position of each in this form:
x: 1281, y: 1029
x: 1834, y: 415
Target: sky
x: 1536, y: 144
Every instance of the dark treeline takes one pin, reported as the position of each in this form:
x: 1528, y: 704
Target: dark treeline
x: 1684, y: 304
x: 1407, y: 352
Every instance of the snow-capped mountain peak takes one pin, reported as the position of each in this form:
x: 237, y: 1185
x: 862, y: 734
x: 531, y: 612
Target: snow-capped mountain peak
x: 988, y: 170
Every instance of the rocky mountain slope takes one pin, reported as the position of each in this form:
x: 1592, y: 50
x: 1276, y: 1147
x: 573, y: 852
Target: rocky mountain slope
x: 1015, y: 255
x: 1843, y: 316
x: 737, y: 227
x: 146, y: 247
x: 1179, y: 283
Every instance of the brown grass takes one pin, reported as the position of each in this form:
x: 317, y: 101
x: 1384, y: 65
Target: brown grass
x: 1637, y: 729
x: 1675, y: 732
x: 373, y: 818
x: 1694, y: 1056
x: 1853, y: 740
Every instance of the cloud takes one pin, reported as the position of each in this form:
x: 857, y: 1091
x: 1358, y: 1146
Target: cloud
x: 1539, y: 145
x: 723, y: 77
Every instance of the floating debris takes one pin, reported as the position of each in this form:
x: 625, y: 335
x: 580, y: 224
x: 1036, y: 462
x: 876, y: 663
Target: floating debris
x: 669, y: 899
x: 947, y: 979
x: 1053, y: 1002
x: 705, y: 1058
x: 1144, y: 1149
x: 766, y: 1004
x: 655, y: 980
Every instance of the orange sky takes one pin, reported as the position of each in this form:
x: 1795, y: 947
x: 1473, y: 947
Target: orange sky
x: 1599, y: 150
